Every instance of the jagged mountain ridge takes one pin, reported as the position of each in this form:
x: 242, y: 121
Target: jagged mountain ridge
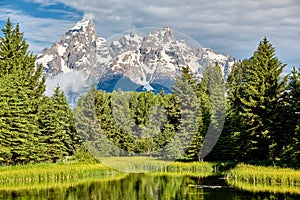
x: 156, y: 57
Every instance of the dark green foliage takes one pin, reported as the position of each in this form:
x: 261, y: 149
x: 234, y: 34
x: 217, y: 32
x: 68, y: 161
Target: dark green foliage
x: 23, y: 86
x: 17, y: 60
x: 64, y: 116
x: 51, y: 131
x: 19, y: 128
x: 107, y: 122
x: 290, y: 123
x: 170, y: 118
x: 88, y: 127
x: 144, y: 123
x: 58, y: 132
x: 262, y: 114
x: 213, y: 107
x: 254, y: 92
x: 187, y: 140
x: 33, y: 128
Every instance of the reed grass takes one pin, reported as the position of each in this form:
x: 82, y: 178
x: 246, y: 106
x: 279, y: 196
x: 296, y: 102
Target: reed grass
x: 19, y: 186
x: 265, y: 175
x: 138, y: 164
x: 48, y: 172
x: 255, y: 188
x: 49, y: 175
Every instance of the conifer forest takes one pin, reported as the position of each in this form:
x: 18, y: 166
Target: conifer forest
x: 257, y: 111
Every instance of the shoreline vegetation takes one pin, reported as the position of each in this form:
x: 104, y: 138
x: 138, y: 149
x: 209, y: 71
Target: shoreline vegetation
x: 264, y: 179
x: 66, y: 174
x: 242, y: 176
x: 141, y: 164
x: 42, y: 143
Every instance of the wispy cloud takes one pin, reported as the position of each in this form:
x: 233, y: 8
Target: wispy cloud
x: 232, y: 27
x: 38, y: 32
x: 74, y: 81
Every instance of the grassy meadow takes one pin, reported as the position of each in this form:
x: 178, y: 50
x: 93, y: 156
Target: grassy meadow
x: 265, y: 175
x: 45, y: 175
x: 138, y: 164
x: 265, y: 179
x: 49, y: 175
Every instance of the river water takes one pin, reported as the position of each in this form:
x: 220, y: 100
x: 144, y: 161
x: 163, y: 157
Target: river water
x: 143, y: 186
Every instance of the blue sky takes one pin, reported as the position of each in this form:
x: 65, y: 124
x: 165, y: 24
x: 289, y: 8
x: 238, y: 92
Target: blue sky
x: 232, y: 27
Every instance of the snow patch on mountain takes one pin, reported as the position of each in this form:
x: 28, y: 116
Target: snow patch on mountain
x: 45, y: 59
x: 83, y: 24
x: 143, y: 59
x: 61, y: 50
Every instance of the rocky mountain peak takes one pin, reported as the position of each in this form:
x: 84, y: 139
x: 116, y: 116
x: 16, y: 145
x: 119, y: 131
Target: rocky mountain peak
x: 143, y: 59
x: 76, y: 50
x: 83, y: 25
x: 160, y: 37
x: 126, y: 42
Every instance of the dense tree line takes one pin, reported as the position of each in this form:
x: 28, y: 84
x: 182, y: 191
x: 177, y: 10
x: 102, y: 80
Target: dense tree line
x: 262, y: 117
x: 257, y: 110
x: 33, y: 127
x: 164, y: 125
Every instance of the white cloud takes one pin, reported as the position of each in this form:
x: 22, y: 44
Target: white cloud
x: 232, y: 26
x: 38, y: 32
x: 73, y: 81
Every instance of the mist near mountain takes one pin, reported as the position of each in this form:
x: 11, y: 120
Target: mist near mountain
x: 132, y: 61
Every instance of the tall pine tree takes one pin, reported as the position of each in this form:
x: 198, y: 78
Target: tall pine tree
x: 255, y: 93
x: 23, y: 85
x: 187, y: 141
x: 213, y: 106
x: 290, y: 121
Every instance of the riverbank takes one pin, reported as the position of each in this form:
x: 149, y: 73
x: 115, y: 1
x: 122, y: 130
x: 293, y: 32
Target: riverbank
x: 264, y: 179
x: 264, y: 175
x: 141, y: 164
x: 52, y: 174
x: 242, y: 176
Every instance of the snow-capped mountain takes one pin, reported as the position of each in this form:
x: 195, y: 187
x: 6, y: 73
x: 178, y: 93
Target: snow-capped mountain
x: 156, y: 57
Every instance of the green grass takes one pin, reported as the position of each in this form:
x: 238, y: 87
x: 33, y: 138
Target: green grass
x: 265, y: 175
x: 48, y: 172
x: 138, y: 164
x: 265, y: 179
x: 19, y: 186
x: 49, y: 175
x: 257, y: 187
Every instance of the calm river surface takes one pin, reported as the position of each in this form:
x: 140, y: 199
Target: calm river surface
x: 144, y: 186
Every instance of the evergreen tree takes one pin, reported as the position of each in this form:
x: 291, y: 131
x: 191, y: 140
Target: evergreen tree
x: 58, y: 132
x: 212, y: 105
x: 229, y: 145
x: 88, y: 127
x: 16, y: 59
x: 290, y: 123
x: 64, y: 117
x: 184, y: 89
x: 257, y: 89
x: 105, y: 119
x: 23, y: 85
x: 18, y: 124
x: 171, y: 110
x: 122, y: 120
x: 51, y: 131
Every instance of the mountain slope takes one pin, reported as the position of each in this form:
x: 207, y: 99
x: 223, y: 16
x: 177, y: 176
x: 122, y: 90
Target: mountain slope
x: 156, y: 57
